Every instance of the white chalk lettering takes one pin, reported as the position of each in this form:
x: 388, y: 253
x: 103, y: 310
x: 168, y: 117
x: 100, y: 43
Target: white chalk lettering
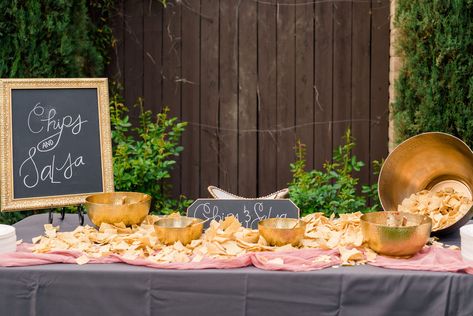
x: 249, y: 215
x: 37, y: 111
x: 45, y: 120
x: 32, y: 175
x: 48, y: 122
x: 68, y: 164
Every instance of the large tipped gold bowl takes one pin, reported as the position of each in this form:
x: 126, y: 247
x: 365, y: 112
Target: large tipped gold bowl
x: 282, y: 231
x: 429, y: 161
x: 129, y: 208
x: 397, y: 241
x: 183, y: 229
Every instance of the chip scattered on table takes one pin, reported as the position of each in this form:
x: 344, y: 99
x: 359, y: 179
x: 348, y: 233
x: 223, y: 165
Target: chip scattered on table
x: 276, y: 261
x: 444, y: 207
x: 222, y: 240
x: 82, y: 260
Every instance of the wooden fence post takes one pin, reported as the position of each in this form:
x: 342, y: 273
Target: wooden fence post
x: 395, y: 64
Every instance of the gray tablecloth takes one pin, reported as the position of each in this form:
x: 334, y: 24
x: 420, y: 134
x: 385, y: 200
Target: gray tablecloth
x: 119, y: 289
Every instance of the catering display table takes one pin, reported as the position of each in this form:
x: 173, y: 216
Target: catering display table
x: 120, y: 289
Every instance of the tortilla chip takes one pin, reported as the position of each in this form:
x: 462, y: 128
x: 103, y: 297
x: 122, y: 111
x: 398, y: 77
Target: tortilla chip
x: 350, y: 256
x: 82, y: 260
x: 276, y: 261
x: 445, y: 207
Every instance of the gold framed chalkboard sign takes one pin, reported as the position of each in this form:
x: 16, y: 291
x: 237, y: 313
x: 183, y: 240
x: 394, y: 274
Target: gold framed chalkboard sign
x: 55, y: 142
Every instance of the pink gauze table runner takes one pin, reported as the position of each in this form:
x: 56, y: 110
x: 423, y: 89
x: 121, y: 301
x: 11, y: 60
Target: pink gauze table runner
x: 429, y: 259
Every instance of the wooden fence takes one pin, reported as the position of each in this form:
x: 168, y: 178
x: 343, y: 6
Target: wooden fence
x: 252, y: 76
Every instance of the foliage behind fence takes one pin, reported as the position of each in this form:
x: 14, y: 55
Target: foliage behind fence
x: 435, y: 86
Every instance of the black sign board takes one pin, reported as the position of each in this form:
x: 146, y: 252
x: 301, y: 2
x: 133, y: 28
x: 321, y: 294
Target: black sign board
x: 249, y: 212
x: 59, y: 133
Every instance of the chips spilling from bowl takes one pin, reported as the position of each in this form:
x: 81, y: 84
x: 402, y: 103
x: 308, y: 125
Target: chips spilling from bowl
x: 444, y: 207
x: 224, y: 239
x: 130, y: 242
x: 330, y: 233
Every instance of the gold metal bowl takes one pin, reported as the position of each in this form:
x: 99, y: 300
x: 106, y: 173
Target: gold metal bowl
x: 428, y: 161
x: 282, y: 231
x: 398, y: 241
x: 118, y: 207
x: 183, y: 229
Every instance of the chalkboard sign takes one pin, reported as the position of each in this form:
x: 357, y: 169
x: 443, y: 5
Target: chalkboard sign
x: 56, y: 136
x: 249, y: 212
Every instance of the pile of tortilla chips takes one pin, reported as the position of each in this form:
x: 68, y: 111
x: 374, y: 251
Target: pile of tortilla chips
x: 224, y: 239
x: 130, y: 242
x: 445, y: 207
x: 343, y: 233
x: 329, y: 233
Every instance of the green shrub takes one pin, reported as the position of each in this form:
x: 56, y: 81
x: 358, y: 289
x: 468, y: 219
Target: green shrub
x: 435, y: 86
x: 52, y: 38
x: 334, y: 189
x: 48, y: 38
x: 143, y: 156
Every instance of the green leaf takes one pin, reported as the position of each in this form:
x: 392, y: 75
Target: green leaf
x: 332, y: 190
x: 143, y: 163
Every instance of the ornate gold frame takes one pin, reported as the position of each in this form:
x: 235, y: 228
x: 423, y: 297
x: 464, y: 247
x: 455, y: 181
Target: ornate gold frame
x: 7, y: 202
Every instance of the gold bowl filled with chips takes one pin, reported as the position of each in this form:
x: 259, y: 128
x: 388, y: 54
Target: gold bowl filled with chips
x: 183, y: 229
x: 430, y: 174
x: 397, y: 234
x: 282, y: 231
x: 129, y: 208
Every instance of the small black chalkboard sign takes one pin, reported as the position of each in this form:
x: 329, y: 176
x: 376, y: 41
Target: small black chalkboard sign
x: 248, y: 211
x: 57, y: 140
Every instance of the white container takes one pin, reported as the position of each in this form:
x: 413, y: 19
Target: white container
x: 466, y: 235
x: 7, y: 238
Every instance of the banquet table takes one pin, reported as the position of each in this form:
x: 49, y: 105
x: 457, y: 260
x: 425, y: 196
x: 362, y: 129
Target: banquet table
x: 121, y: 289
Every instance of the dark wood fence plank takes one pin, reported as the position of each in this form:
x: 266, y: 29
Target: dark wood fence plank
x: 209, y: 95
x: 190, y: 174
x: 286, y: 92
x: 247, y: 101
x: 323, y: 63
x: 228, y: 140
x: 261, y: 68
x: 116, y: 67
x: 305, y: 77
x: 341, y: 70
x: 172, y: 75
x: 133, y: 41
x: 360, y: 84
x: 152, y: 55
x: 267, y: 106
x: 379, y: 80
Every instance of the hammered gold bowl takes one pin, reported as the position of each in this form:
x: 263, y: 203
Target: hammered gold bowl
x: 396, y: 241
x: 183, y: 229
x: 429, y: 161
x: 129, y: 208
x: 282, y: 231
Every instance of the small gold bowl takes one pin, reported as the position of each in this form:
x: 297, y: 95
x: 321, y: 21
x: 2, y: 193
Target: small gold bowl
x: 183, y: 229
x: 396, y: 241
x: 129, y: 208
x: 282, y: 231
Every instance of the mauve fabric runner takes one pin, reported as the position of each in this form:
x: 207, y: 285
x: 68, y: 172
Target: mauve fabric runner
x: 299, y: 260
x: 429, y: 259
x: 124, y: 289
